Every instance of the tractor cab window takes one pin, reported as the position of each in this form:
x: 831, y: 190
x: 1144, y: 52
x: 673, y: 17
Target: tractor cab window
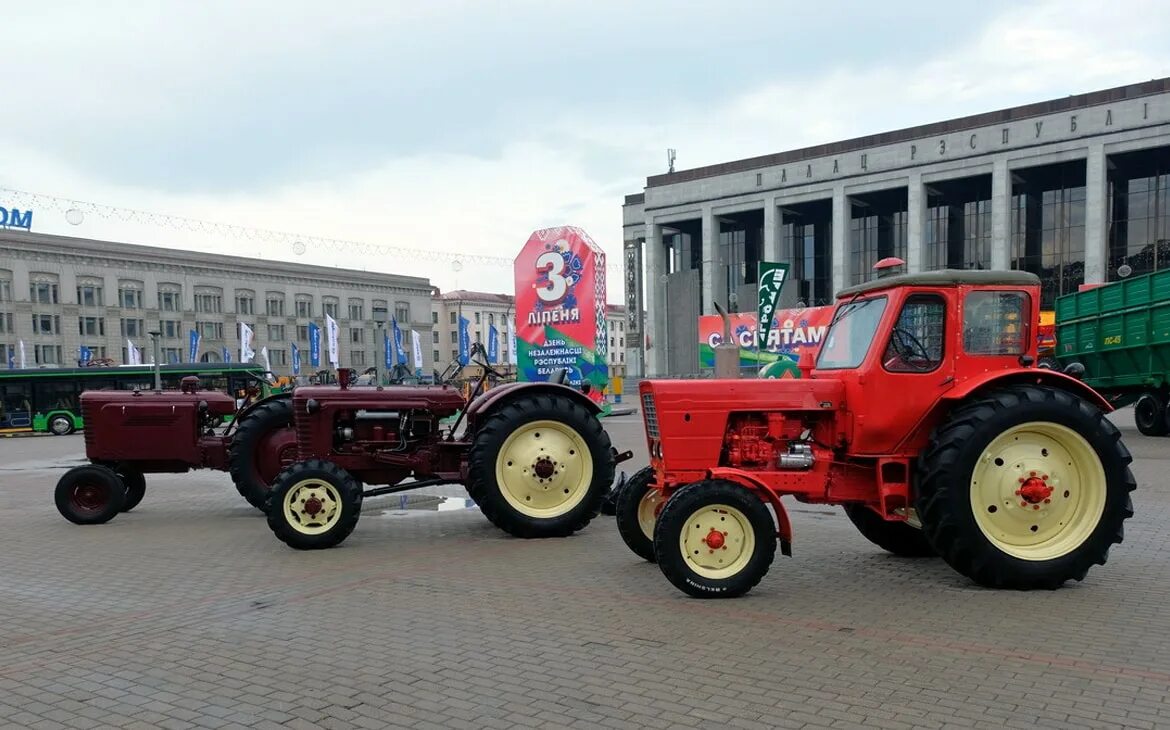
x: 916, y: 342
x: 995, y: 322
x: 851, y: 333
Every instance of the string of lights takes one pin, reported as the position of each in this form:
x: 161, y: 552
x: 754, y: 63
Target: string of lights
x: 76, y: 211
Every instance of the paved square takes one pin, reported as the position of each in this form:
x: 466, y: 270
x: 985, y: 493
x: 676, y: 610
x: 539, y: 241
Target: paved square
x: 187, y: 612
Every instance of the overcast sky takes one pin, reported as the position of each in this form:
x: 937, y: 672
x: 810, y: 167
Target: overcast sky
x: 464, y: 126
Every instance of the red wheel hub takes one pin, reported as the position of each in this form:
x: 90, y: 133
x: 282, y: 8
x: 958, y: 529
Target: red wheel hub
x: 313, y: 506
x: 544, y: 467
x: 714, y: 539
x: 1035, y: 490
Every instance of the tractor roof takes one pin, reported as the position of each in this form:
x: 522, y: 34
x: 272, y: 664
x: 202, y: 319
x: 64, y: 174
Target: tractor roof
x: 946, y: 277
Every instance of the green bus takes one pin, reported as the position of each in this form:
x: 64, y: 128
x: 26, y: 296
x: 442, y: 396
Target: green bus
x: 48, y: 399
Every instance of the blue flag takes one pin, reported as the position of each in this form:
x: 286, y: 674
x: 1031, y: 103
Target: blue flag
x: 227, y: 355
x: 398, y: 343
x: 296, y: 357
x: 11, y: 357
x: 464, y: 341
x: 314, y: 346
x: 193, y: 348
x: 493, y: 344
x: 85, y: 355
x: 387, y: 355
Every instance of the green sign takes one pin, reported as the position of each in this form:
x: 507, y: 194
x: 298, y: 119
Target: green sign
x: 771, y: 278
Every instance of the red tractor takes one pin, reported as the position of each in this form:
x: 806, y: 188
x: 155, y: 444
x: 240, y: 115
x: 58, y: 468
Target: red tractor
x: 924, y: 415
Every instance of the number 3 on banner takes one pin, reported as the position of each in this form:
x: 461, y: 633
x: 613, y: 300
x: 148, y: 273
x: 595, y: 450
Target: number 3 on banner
x: 557, y: 284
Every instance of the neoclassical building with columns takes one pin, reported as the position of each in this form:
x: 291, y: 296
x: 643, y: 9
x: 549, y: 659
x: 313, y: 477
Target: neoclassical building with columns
x: 1075, y: 189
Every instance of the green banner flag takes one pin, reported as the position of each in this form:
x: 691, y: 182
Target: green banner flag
x: 771, y: 278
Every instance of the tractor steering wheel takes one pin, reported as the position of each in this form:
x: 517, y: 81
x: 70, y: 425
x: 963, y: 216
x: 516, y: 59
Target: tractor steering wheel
x: 910, y: 350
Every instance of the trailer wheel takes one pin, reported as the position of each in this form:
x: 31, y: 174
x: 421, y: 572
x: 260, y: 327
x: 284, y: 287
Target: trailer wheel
x: 264, y: 444
x: 540, y: 466
x: 313, y: 505
x: 714, y: 539
x: 60, y: 425
x: 638, y: 505
x: 1149, y: 414
x: 89, y: 495
x: 900, y: 538
x: 1026, y: 487
x: 135, y: 484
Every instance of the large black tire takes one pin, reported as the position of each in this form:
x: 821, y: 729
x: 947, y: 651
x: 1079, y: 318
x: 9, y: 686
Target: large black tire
x: 299, y: 523
x: 899, y: 538
x: 1075, y: 444
x: 629, y: 511
x: 579, y: 463
x: 1149, y: 415
x: 89, y: 495
x: 264, y: 444
x: 135, y: 484
x: 682, y: 513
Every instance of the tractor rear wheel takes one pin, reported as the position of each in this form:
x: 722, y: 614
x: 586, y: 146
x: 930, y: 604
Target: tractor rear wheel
x: 135, y: 484
x: 264, y: 444
x: 900, y: 538
x: 1149, y: 415
x: 314, y: 504
x: 714, y: 539
x: 1026, y: 487
x: 89, y: 495
x: 540, y: 466
x: 638, y: 505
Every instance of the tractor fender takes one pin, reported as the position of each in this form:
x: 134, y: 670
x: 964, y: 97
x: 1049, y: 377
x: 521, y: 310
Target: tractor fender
x: 497, y: 396
x: 749, y: 480
x: 1040, y: 376
x: 249, y: 408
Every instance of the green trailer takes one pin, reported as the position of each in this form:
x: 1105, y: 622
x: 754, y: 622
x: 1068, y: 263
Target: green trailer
x: 1120, y: 333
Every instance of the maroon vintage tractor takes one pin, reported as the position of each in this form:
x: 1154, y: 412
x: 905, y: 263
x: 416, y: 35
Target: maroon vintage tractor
x: 533, y: 456
x: 131, y: 434
x: 924, y: 415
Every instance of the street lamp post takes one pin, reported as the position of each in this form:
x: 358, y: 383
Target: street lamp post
x: 157, y: 358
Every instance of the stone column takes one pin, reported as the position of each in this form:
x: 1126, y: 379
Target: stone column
x: 839, y: 248
x: 710, y: 258
x: 772, y: 230
x: 915, y: 223
x: 656, y: 268
x: 1001, y: 201
x: 1096, y: 215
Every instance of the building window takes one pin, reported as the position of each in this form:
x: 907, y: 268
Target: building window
x: 210, y: 330
x: 357, y: 310
x: 208, y: 302
x: 89, y: 294
x: 170, y: 298
x: 170, y: 328
x: 6, y: 325
x: 91, y: 326
x: 275, y: 332
x: 491, y: 318
x: 329, y: 306
x: 357, y: 357
x: 133, y: 328
x: 46, y: 324
x: 402, y: 311
x: 43, y: 292
x: 274, y: 304
x: 47, y: 354
x: 303, y: 332
x: 304, y: 305
x: 1139, y: 228
x: 454, y: 338
x: 434, y: 317
x: 357, y: 335
x: 171, y: 355
x: 435, y: 336
x: 96, y: 352
x: 5, y: 288
x: 130, y: 295
x: 278, y: 357
x: 1048, y: 227
x: 807, y: 246
x: 477, y: 318
x: 454, y: 354
x: 381, y: 311
x: 434, y: 356
x: 873, y: 238
x: 245, y: 302
x: 452, y: 318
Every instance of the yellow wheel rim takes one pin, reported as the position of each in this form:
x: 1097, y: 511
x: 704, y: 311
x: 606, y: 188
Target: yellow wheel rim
x: 312, y: 506
x: 648, y: 509
x: 1038, y: 491
x: 718, y: 541
x: 544, y: 469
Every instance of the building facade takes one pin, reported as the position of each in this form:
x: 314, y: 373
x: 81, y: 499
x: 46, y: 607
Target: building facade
x: 484, y: 310
x: 59, y: 294
x: 1076, y: 190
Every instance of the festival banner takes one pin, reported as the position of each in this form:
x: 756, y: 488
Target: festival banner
x: 792, y: 331
x: 771, y: 278
x: 398, y: 342
x: 464, y: 341
x: 296, y: 359
x: 246, y: 351
x: 560, y: 308
x: 511, y: 341
x: 416, y: 341
x: 331, y: 333
x: 314, y: 345
x: 227, y: 355
x: 387, y: 354
x: 193, y: 346
x: 84, y: 355
x: 493, y: 347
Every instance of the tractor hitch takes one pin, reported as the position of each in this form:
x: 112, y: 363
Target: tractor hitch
x: 619, y: 457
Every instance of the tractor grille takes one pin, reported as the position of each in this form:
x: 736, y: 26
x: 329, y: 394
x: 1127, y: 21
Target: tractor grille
x: 650, y: 415
x: 87, y: 417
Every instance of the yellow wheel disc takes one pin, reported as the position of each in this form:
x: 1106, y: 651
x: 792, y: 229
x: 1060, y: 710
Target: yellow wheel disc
x: 544, y: 469
x: 312, y: 506
x: 718, y: 541
x: 1038, y: 491
x: 648, y: 511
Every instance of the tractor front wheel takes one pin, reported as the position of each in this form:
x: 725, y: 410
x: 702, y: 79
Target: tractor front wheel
x: 714, y: 539
x: 313, y: 505
x: 1149, y: 415
x: 1026, y: 487
x: 263, y: 445
x: 900, y: 538
x: 135, y: 484
x: 89, y: 495
x: 638, y: 505
x: 540, y: 466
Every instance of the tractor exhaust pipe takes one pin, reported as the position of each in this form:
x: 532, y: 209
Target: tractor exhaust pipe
x: 727, y: 351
